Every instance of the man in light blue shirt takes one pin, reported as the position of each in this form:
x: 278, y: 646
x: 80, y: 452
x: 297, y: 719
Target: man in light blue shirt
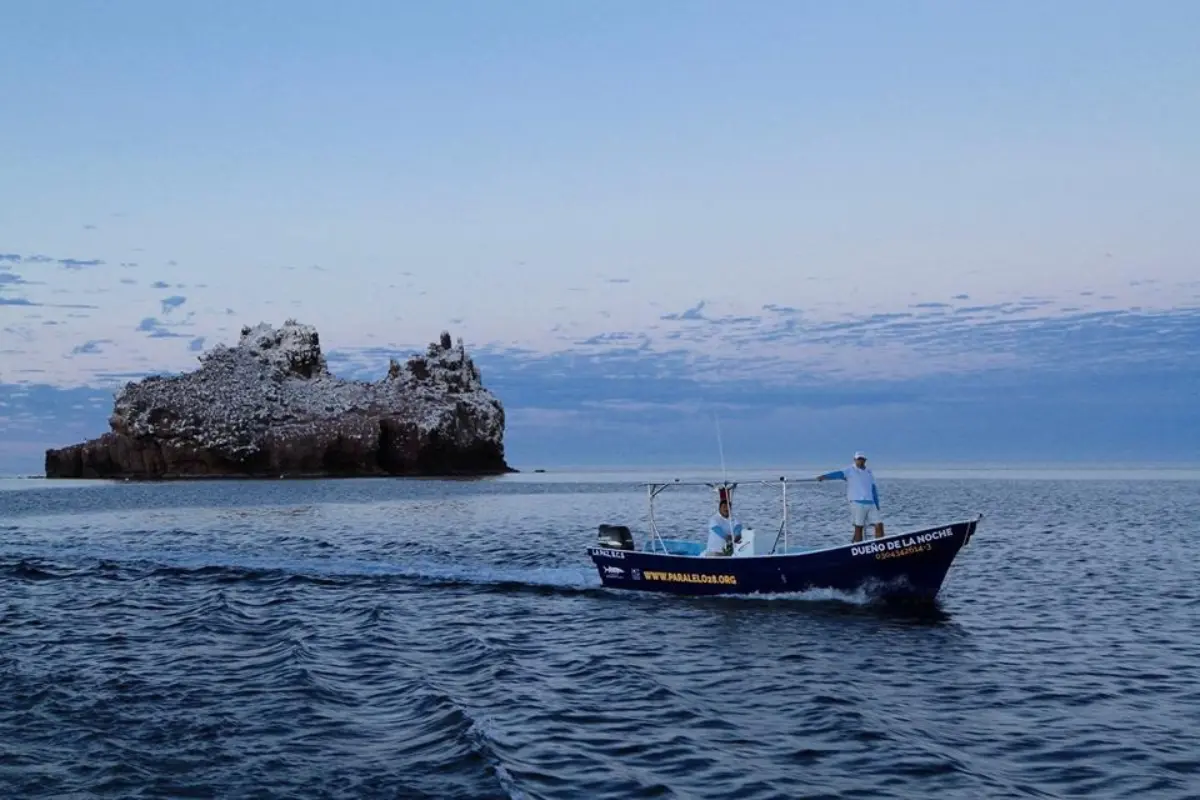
x: 862, y: 494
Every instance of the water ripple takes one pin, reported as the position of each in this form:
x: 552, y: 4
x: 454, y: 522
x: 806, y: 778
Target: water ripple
x: 449, y: 639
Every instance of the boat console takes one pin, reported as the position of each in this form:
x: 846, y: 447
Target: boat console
x: 750, y: 545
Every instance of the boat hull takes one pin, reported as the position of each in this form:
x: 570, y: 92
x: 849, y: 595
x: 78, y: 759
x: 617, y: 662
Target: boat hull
x: 902, y: 567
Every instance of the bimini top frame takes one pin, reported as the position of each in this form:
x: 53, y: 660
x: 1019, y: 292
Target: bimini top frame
x: 655, y: 489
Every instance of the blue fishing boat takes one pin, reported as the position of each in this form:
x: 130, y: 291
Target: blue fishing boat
x: 899, y: 567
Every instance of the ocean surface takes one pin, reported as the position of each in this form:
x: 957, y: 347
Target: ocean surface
x: 449, y: 639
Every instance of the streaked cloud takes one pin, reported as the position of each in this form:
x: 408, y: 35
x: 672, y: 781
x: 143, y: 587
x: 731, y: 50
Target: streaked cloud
x: 67, y: 263
x: 158, y: 329
x: 89, y: 347
x: 76, y: 263
x: 610, y: 401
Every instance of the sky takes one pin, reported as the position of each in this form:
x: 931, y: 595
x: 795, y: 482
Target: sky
x: 937, y: 232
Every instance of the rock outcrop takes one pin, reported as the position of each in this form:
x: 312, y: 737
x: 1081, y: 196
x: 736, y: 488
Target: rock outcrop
x: 268, y: 407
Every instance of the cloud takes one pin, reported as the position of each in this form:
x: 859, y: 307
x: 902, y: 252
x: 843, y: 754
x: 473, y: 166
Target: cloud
x: 882, y: 348
x: 787, y: 311
x: 158, y: 330
x: 67, y: 263
x: 936, y: 366
x: 89, y: 347
x: 693, y: 313
x: 22, y: 301
x: 37, y: 416
x: 696, y: 314
x: 1102, y: 385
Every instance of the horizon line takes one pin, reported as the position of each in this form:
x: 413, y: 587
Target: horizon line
x: 793, y: 473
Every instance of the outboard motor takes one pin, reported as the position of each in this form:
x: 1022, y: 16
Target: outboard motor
x: 615, y: 537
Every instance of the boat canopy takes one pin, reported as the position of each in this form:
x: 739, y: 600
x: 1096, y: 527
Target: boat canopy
x: 725, y: 488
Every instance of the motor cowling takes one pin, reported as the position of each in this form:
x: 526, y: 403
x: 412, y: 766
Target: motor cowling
x: 615, y: 537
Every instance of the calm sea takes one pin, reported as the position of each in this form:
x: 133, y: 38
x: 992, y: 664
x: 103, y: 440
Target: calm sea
x: 449, y: 639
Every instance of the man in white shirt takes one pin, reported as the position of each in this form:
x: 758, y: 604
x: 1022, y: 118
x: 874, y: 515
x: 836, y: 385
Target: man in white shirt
x: 862, y: 494
x: 723, y: 531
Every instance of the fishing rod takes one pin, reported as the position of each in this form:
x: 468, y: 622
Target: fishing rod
x: 724, y: 493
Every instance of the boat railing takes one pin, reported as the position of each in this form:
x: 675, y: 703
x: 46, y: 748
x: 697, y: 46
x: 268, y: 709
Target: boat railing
x: 656, y: 488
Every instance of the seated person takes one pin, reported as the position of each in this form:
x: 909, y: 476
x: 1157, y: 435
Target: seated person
x: 722, y: 531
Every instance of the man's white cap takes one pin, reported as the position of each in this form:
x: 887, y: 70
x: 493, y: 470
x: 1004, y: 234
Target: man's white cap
x: 859, y: 454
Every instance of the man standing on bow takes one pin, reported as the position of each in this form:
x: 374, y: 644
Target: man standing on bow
x: 862, y: 494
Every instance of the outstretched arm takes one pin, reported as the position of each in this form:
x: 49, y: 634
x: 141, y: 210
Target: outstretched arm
x: 837, y: 475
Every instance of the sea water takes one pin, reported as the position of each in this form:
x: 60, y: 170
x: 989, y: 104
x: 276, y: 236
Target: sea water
x: 447, y: 639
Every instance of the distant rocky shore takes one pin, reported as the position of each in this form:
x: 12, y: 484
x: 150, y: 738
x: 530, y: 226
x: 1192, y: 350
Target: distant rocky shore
x: 269, y: 408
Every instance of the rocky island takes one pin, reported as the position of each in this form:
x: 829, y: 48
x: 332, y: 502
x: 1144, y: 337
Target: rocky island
x: 269, y: 408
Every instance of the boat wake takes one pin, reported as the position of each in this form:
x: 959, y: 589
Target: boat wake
x: 67, y: 563
x: 92, y: 563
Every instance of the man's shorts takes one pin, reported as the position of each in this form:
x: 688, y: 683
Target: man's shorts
x: 864, y: 514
